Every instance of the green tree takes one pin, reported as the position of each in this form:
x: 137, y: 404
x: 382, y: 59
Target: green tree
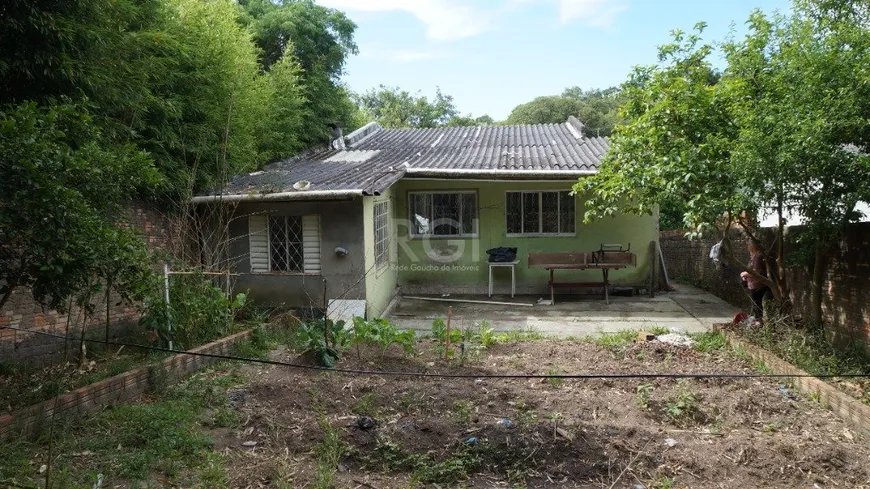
x: 63, y: 188
x: 397, y: 108
x: 470, y: 120
x: 320, y: 40
x: 597, y: 109
x: 783, y: 128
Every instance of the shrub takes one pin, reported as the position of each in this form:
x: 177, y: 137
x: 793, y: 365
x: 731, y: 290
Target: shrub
x: 198, y: 311
x: 381, y: 333
x: 324, y: 338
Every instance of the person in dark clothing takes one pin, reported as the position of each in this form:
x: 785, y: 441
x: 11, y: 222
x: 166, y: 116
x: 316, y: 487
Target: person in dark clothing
x: 757, y: 289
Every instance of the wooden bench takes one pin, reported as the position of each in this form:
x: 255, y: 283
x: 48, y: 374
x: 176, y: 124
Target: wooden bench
x: 603, y: 260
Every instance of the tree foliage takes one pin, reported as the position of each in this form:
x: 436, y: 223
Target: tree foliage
x: 105, y: 101
x: 61, y: 180
x: 396, y: 108
x: 597, y: 109
x: 783, y: 127
x: 319, y: 40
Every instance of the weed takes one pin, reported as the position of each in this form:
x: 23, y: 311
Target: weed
x: 810, y: 348
x: 643, y: 394
x: 815, y: 396
x: 137, y: 442
x: 614, y: 340
x: 709, y: 341
x: 659, y: 330
x: 462, y: 411
x: 456, y: 468
x: 328, y: 453
x: 526, y: 416
x: 761, y: 367
x: 555, y: 382
x: 389, y: 455
x: 225, y: 417
x: 773, y: 426
x: 516, y: 336
x: 662, y: 483
x: 364, y: 406
x: 682, y: 405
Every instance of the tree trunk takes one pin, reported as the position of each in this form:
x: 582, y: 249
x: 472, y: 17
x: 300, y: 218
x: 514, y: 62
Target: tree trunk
x: 817, y: 286
x: 780, y: 250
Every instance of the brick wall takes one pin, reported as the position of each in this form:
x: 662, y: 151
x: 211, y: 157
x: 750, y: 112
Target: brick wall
x: 23, y: 312
x: 128, y: 386
x: 846, y: 300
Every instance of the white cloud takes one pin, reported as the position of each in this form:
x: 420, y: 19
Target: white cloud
x: 595, y: 13
x: 445, y: 20
x: 400, y: 55
x: 598, y: 13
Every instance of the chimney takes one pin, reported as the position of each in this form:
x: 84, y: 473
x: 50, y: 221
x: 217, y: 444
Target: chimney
x: 337, y: 137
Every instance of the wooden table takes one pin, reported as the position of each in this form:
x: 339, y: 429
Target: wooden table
x: 604, y: 261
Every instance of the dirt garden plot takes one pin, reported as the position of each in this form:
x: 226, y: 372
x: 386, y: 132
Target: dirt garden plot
x: 320, y: 429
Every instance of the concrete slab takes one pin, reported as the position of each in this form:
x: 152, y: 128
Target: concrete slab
x: 687, y: 309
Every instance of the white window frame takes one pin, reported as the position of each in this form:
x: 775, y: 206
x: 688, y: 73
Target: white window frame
x: 475, y: 221
x: 539, y: 234
x: 381, y: 230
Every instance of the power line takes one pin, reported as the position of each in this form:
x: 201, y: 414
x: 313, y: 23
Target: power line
x: 581, y: 376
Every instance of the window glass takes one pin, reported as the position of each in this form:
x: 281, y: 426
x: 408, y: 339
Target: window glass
x: 531, y: 213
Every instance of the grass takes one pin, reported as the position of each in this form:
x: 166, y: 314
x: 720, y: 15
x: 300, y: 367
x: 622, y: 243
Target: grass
x: 808, y: 348
x: 529, y: 334
x: 618, y: 339
x: 709, y: 341
x: 424, y: 469
x: 555, y: 382
x: 328, y: 454
x: 22, y: 386
x: 162, y: 439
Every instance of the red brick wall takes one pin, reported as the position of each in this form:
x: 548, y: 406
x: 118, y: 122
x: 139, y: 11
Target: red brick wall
x: 127, y: 386
x: 23, y: 312
x: 846, y: 301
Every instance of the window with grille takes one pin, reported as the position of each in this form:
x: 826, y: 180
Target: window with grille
x: 443, y: 213
x: 539, y: 213
x: 284, y: 244
x: 382, y: 233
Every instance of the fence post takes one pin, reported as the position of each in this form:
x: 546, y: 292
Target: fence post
x: 166, y: 296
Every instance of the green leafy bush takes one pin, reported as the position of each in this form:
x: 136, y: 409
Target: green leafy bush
x: 381, y: 333
x: 324, y: 338
x: 198, y: 311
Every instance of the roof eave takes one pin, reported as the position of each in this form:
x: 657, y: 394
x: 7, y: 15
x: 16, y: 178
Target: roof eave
x: 497, y: 174
x: 278, y: 196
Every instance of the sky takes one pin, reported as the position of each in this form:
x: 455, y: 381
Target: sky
x: 492, y: 55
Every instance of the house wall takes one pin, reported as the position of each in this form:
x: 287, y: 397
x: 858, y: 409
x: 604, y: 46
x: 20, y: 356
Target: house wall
x: 421, y: 272
x: 381, y: 281
x: 340, y: 225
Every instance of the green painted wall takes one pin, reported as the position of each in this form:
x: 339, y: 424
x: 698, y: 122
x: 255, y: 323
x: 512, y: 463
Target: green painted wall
x: 380, y: 282
x: 420, y: 269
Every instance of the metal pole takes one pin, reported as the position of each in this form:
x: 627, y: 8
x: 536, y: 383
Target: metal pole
x: 166, y: 297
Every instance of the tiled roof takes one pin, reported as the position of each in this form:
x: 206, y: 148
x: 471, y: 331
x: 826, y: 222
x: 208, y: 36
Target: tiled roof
x: 375, y: 158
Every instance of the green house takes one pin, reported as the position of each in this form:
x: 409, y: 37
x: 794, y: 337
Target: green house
x: 382, y: 212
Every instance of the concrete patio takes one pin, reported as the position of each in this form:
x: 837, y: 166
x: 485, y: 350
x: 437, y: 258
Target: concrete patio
x: 686, y: 309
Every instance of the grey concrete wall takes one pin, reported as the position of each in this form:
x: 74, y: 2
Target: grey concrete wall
x: 341, y: 224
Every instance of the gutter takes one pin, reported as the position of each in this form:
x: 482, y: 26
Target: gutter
x: 295, y: 195
x: 465, y: 172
